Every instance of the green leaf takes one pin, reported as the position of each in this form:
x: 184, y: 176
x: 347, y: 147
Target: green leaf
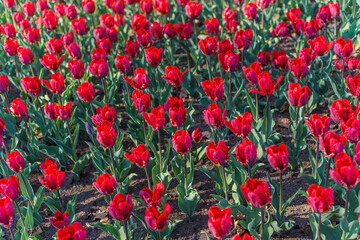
x: 109, y: 229
x: 29, y: 220
x: 70, y: 208
x: 187, y: 204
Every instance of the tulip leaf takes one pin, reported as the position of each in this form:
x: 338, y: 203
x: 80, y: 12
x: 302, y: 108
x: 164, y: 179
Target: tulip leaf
x: 38, y: 198
x: 23, y: 188
x: 334, y: 86
x: 29, y: 220
x: 70, y: 208
x: 328, y: 231
x: 109, y: 229
x: 97, y: 158
x: 212, y: 175
x: 187, y: 203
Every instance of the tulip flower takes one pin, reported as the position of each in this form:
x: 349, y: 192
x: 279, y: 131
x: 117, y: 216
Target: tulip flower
x: 214, y: 117
x: 170, y: 30
x: 141, y: 101
x: 88, y: 6
x: 120, y: 208
x: 139, y: 156
x: 73, y: 50
x: 79, y: 26
x: 246, y: 236
x: 181, y: 142
x: 146, y: 6
x: 214, y: 89
x: 197, y: 136
x: 250, y: 11
x: 144, y: 38
x: 162, y: 6
x: 98, y: 68
x: 70, y: 12
x: 10, y: 47
x: 263, y: 58
x: 320, y: 46
x: 25, y: 56
x: 60, y: 220
x: 105, y: 114
x: 141, y: 80
x: 18, y: 108
x: 293, y: 14
x: 106, y: 134
x: 280, y: 60
x: 252, y: 72
x: 67, y: 39
x: 7, y: 213
x: 241, y: 126
x: 246, y: 154
x: 155, y: 118
x: 357, y: 154
x: 219, y: 221
x: 56, y: 85
x: 225, y: 46
x: 132, y: 49
x: 50, y: 112
x: 298, y: 68
x: 32, y: 35
x: 54, y: 46
x: 157, y: 31
x: 86, y: 92
x: 182, y: 3
x: 107, y: 20
x: 340, y: 110
x: 156, y: 221
x: 105, y: 184
x: 50, y: 61
x: 173, y: 76
x: 138, y: 22
x: 8, y: 30
x: 99, y: 53
x: 153, y: 56
x: 15, y: 161
x: 54, y: 179
x: 152, y: 198
x: 10, y: 188
x: 212, y: 26
x: 9, y: 3
x: 104, y: 44
x: 49, y: 20
x: 353, y: 84
x: 122, y: 63
x: 208, y: 46
x: 193, y: 10
x: 173, y: 102
x: 184, y: 31
x: 351, y: 130
x: 18, y: 17
x: 4, y: 84
x: 281, y: 30
x: 177, y: 116
x: 311, y: 29
x: 242, y: 39
x: 343, y: 49
x: 298, y: 97
x: 2, y: 127
x: 277, y: 157
x: 75, y: 231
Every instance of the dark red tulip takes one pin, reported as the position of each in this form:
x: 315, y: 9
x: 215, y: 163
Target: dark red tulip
x: 228, y: 15
x: 343, y: 49
x: 120, y: 208
x: 278, y: 157
x: 246, y: 152
x: 318, y: 126
x: 67, y: 39
x: 104, y: 114
x: 122, y: 63
x: 319, y: 199
x: 54, y: 179
x: 231, y: 26
x: 263, y: 4
x: 281, y: 30
x: 257, y: 193
x: 60, y: 220
x: 70, y: 12
x: 263, y: 58
x: 86, y: 92
x: 75, y: 231
x: 112, y: 34
x: 212, y: 26
x: 54, y: 46
x: 334, y: 10
x: 76, y: 68
x: 88, y: 6
x: 105, y: 184
x: 59, y: 10
x: 155, y: 118
x: 25, y: 55
x: 73, y: 50
x: 56, y: 84
x: 50, y: 111
x: 10, y: 47
x: 162, y: 6
x: 193, y: 10
x: 132, y: 49
x: 173, y: 76
x: 352, y: 63
x: 340, y: 110
x: 225, y: 46
x: 307, y: 56
x: 99, y: 33
x: 298, y: 26
x: 7, y: 213
x: 144, y: 38
x: 252, y: 73
x: 152, y: 198
x: 156, y: 221
x: 345, y: 174
x: 51, y: 62
x: 106, y: 134
x: 184, y: 31
x: 153, y: 56
x: 49, y: 20
x: 266, y: 84
x: 181, y: 142
x: 219, y: 221
x: 2, y: 127
x: 106, y: 20
x: 219, y: 155
x: 311, y: 29
x: 141, y: 80
x: 298, y: 96
x: 79, y: 26
x: 118, y: 7
x: 139, y: 156
x: 351, y: 129
x: 109, y: 3
x: 28, y: 9
x: 182, y: 3
x: 214, y: 117
x: 18, y: 108
x: 293, y: 14
x: 31, y: 85
x: 157, y: 31
x: 320, y: 46
x: 332, y: 144
x: 32, y: 35
x: 208, y: 46
x: 146, y: 6
x: 141, y: 101
x: 15, y: 161
x: 214, y: 89
x: 173, y: 102
x: 139, y: 22
x: 48, y: 164
x: 280, y: 60
x: 18, y: 17
x: 10, y: 188
x: 357, y: 154
x: 170, y: 30
x: 98, y: 68
x: 353, y: 84
x: 104, y: 44
x: 63, y: 112
x: 97, y: 54
x: 241, y: 126
x: 41, y: 5
x: 177, y: 116
x: 197, y: 136
x: 8, y: 30
x: 250, y: 11
x: 246, y: 236
x: 4, y: 84
x: 229, y: 61
x: 324, y: 16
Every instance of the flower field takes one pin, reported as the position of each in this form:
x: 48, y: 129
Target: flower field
x: 164, y: 119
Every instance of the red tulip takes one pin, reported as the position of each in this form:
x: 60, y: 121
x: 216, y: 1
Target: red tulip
x: 352, y: 63
x: 357, y: 154
x: 208, y: 46
x: 181, y: 142
x: 225, y: 46
x: 266, y: 84
x: 334, y: 10
x: 246, y: 152
x: 229, y: 61
x: 73, y: 50
x: 105, y: 184
x: 332, y: 144
x: 76, y: 68
x: 56, y: 85
x: 7, y: 213
x: 155, y: 118
x: 177, y: 116
x: 10, y: 188
x: 32, y: 35
x: 170, y: 30
x: 241, y: 126
x: 343, y: 49
x: 219, y: 155
x: 59, y: 10
x: 141, y: 101
x: 340, y: 110
x: 2, y: 127
x: 298, y: 26
x: 182, y: 3
x: 193, y: 10
x: 214, y: 90
x: 231, y: 26
x: 63, y: 112
x: 104, y: 44
x: 120, y: 208
x: 4, y: 84
x: 345, y: 173
x: 139, y: 156
x: 153, y: 56
x: 146, y: 6
x: 79, y: 26
x: 60, y: 220
x: 319, y: 199
x: 184, y: 31
x: 212, y: 26
x: 25, y: 56
x: 197, y: 136
x: 122, y: 63
x: 9, y: 3
x: 157, y: 31
x: 54, y: 179
x: 320, y: 46
x: 50, y: 111
x: 10, y: 47
x: 8, y: 30
x: 67, y: 39
x: 18, y: 17
x: 156, y: 221
x: 277, y: 157
x: 99, y: 53
x: 100, y: 33
x: 41, y: 5
x: 280, y: 60
x: 75, y: 231
x: 31, y: 85
x: 98, y: 68
x: 15, y: 161
x: 152, y: 198
x: 219, y: 221
x: 318, y: 126
x: 264, y: 58
x: 246, y: 236
x: 173, y: 76
x: 351, y: 129
x: 106, y: 134
x: 70, y: 12
x: 54, y: 46
x: 86, y: 92
x: 263, y: 4
x: 213, y: 116
x: 49, y: 20
x: 228, y: 15
x: 323, y: 17
x: 18, y: 108
x: 50, y: 61
x: 353, y: 84
x: 28, y: 9
x: 250, y: 11
x: 281, y: 30
x: 293, y: 14
x: 162, y: 6
x: 252, y: 73
x: 112, y: 34
x: 132, y: 49
x: 298, y: 68
x: 105, y: 114
x: 311, y: 29
x: 88, y: 6
x: 257, y: 193
x: 298, y: 96
x: 144, y: 38
x: 141, y: 80
x: 173, y: 102
x: 48, y: 164
x: 139, y: 22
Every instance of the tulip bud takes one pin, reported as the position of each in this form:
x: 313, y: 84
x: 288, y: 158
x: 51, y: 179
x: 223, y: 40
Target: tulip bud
x: 10, y: 188
x: 197, y: 136
x: 246, y: 152
x: 153, y: 56
x: 212, y: 26
x: 257, y: 193
x: 229, y: 61
x: 319, y: 199
x: 25, y: 56
x: 86, y: 92
x: 181, y: 142
x: 139, y: 156
x: 70, y: 12
x: 120, y: 208
x: 219, y: 221
x: 63, y: 112
x: 155, y: 118
x: 18, y: 108
x: 105, y: 184
x: 213, y: 116
x: 98, y: 68
x: 106, y: 134
x: 332, y: 144
x: 49, y: 111
x: 141, y: 80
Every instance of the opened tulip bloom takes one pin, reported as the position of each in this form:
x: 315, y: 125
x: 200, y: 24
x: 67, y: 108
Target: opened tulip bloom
x: 208, y: 46
x: 353, y: 84
x: 153, y: 56
x: 120, y: 208
x: 141, y: 80
x: 75, y: 231
x: 351, y: 130
x: 173, y: 76
x: 229, y: 61
x: 152, y: 198
x: 141, y: 101
x: 242, y: 39
x: 60, y: 220
x: 219, y: 155
x: 340, y: 110
x: 246, y: 153
x: 155, y: 118
x: 214, y: 89
x: 280, y: 60
x: 7, y: 213
x: 181, y: 142
x: 15, y: 161
x: 317, y: 125
x: 156, y: 221
x: 139, y: 156
x: 252, y: 73
x: 343, y: 49
x: 86, y: 92
x: 320, y: 46
x: 105, y: 184
x: 56, y: 84
x: 241, y: 126
x: 212, y: 26
x: 18, y: 108
x: 298, y: 68
x: 54, y: 179
x: 106, y: 134
x: 122, y: 63
x: 219, y: 222
x: 267, y: 87
x: 197, y: 136
x: 345, y: 174
x: 104, y: 114
x: 31, y: 85
x: 10, y: 188
x: 257, y: 193
x: 214, y: 117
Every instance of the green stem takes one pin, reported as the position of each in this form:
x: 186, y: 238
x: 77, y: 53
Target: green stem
x: 249, y: 170
x: 267, y: 116
x: 257, y: 107
x: 210, y: 70
x: 335, y: 28
x: 317, y: 157
x: 4, y: 168
x: 319, y: 228
x: 229, y: 96
x: 347, y: 202
x: 16, y: 67
x: 69, y: 131
x: 196, y: 153
x: 327, y: 173
x: 126, y: 230
x: 92, y: 108
x: 342, y: 83
x: 147, y: 177
x: 128, y: 93
x: 262, y: 223
x: 185, y: 177
x: 105, y: 90
x: 354, y: 10
x: 145, y: 135
x: 20, y: 214
x: 112, y: 163
x: 11, y: 234
x: 57, y: 129
x: 60, y: 200
x: 159, y: 82
x: 41, y: 110
x: 27, y: 190
x: 224, y: 182
x: 160, y: 237
x: 281, y: 192
x: 297, y: 117
x: 27, y: 129
x: 160, y: 152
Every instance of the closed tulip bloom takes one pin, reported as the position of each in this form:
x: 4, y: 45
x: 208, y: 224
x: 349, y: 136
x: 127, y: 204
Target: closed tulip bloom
x: 353, y: 84
x: 263, y: 4
x: 75, y: 231
x: 54, y: 179
x: 173, y: 76
x: 345, y: 174
x: 208, y: 46
x: 98, y: 53
x: 50, y: 21
x: 278, y: 157
x: 28, y: 9
x: 60, y: 220
x: 31, y: 85
x: 298, y: 96
x: 320, y: 46
x: 311, y: 29
x: 177, y: 116
x: 98, y: 68
x: 225, y: 46
x: 219, y: 155
x: 214, y: 117
x: 197, y: 136
x: 263, y: 58
x: 157, y: 31
x: 141, y: 101
x: 104, y: 44
x: 229, y: 61
x: 257, y: 193
x: 139, y: 156
x: 132, y: 49
x: 266, y: 84
x: 153, y: 56
x: 193, y: 10
x: 4, y: 84
x: 105, y: 114
x: 307, y: 56
x: 281, y: 30
x: 298, y: 26
x: 182, y: 3
x: 7, y: 213
x: 280, y: 60
x: 10, y: 47
x: 212, y: 26
x: 351, y: 129
x: 334, y: 10
x: 181, y: 142
x: 9, y: 3
x: 26, y: 57
x: 141, y: 80
x: 152, y: 198
x: 51, y: 62
x: 56, y: 84
x: 170, y: 30
x: 88, y: 6
x: 357, y: 154
x: 139, y: 22
x: 106, y: 134
x: 100, y: 33
x: 50, y: 111
x: 2, y: 127
x: 250, y: 11
x: 298, y: 68
x: 41, y: 5
x: 340, y: 110
x: 18, y: 17
x: 252, y: 73
x: 146, y: 6
x: 120, y: 208
x: 32, y: 35
x: 122, y: 63
x: 67, y: 39
x: 76, y: 68
x: 246, y: 152
x: 162, y: 6
x: 156, y: 221
x: 70, y: 12
x: 63, y: 112
x: 241, y: 126
x: 214, y: 89
x: 173, y: 102
x: 105, y: 184
x: 8, y: 30
x: 48, y: 164
x: 231, y: 25
x: 18, y: 108
x: 324, y: 16
x: 79, y: 26
x: 144, y: 38
x: 184, y: 31
x: 155, y: 118
x: 106, y: 20
x: 320, y: 199
x: 86, y: 92
x: 332, y: 144
x: 54, y: 46
x: 112, y: 34
x: 343, y: 49
x: 73, y: 50
x: 317, y: 125
x: 352, y: 63
x: 10, y: 188
x: 219, y: 222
